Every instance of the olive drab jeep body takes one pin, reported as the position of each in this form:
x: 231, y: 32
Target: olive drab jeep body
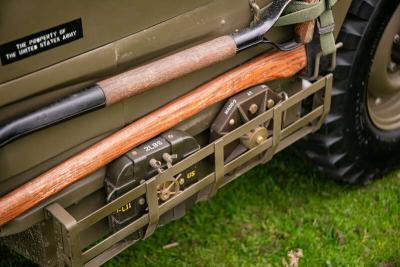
x: 54, y: 50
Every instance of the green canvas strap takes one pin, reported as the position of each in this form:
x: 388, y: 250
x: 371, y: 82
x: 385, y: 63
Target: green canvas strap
x: 326, y: 27
x: 298, y: 12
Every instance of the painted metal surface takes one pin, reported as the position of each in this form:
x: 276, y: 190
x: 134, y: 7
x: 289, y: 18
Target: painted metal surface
x: 103, y: 22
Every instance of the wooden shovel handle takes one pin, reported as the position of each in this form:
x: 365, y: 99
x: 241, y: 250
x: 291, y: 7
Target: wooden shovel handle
x: 138, y: 80
x: 305, y: 31
x: 267, y: 67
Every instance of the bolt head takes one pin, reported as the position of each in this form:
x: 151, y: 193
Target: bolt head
x: 142, y: 201
x: 181, y: 181
x: 232, y: 122
x: 253, y: 108
x: 270, y: 103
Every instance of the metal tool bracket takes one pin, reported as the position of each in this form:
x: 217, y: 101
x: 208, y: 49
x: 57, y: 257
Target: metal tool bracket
x: 290, y: 13
x: 69, y: 229
x: 314, y: 70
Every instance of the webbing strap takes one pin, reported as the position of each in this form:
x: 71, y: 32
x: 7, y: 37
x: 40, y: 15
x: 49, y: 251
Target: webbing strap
x: 298, y: 11
x: 326, y: 27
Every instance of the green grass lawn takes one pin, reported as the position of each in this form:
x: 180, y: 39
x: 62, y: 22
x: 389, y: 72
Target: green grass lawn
x: 273, y: 209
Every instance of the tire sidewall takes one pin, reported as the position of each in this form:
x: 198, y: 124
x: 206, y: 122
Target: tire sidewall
x: 369, y: 143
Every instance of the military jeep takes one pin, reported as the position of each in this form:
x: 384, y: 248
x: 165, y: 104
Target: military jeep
x: 116, y: 117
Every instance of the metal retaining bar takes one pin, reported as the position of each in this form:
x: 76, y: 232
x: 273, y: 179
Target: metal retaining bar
x: 69, y: 228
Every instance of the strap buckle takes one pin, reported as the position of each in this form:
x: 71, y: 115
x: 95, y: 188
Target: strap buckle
x: 325, y: 29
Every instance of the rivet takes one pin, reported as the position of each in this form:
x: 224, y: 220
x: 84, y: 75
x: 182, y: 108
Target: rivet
x: 231, y: 122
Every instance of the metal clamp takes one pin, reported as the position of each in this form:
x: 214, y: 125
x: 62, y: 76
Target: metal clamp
x: 152, y: 203
x: 317, y: 64
x: 255, y: 33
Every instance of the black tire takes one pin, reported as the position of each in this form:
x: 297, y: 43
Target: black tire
x: 348, y: 147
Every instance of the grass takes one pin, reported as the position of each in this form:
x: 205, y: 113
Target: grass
x: 271, y: 210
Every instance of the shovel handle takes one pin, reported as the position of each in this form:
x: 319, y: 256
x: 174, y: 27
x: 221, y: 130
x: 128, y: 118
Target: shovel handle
x: 139, y: 80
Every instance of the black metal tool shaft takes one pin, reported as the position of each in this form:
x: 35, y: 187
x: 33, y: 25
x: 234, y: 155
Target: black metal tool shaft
x: 76, y: 104
x: 254, y: 35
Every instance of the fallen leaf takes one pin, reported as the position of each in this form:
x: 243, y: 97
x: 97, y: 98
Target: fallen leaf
x: 171, y: 245
x: 294, y: 258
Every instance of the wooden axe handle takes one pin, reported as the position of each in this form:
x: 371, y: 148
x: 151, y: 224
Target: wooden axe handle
x: 267, y: 67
